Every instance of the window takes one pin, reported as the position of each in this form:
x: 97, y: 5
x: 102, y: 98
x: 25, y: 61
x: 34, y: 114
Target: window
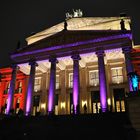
x: 7, y: 88
x: 19, y: 88
x: 120, y: 106
x: 17, y: 105
x: 57, y: 82
x: 37, y: 85
x: 123, y: 105
x: 56, y: 104
x: 117, y: 75
x: 93, y: 78
x: 70, y: 80
x: 119, y: 99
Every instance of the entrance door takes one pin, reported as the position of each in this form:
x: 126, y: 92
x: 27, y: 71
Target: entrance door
x: 95, y: 101
x: 56, y: 104
x: 71, y: 103
x: 119, y: 99
x: 36, y: 100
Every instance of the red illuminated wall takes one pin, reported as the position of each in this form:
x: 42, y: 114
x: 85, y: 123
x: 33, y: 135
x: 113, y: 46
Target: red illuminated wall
x: 135, y: 56
x: 19, y: 92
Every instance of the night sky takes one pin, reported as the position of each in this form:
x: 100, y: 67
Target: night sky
x: 20, y: 18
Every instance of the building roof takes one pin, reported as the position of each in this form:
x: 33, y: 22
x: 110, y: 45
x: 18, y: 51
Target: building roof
x: 82, y: 23
x: 84, y: 34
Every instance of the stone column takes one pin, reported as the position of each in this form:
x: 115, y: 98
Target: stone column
x: 102, y: 81
x: 52, y: 86
x: 30, y: 89
x: 12, y: 88
x: 129, y: 65
x: 76, y: 83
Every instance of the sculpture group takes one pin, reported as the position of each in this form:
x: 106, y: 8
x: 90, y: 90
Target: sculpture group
x: 76, y: 13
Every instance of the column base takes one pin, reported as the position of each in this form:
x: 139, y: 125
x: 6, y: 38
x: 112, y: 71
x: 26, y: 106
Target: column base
x: 76, y: 110
x: 51, y: 113
x: 28, y: 114
x: 104, y: 110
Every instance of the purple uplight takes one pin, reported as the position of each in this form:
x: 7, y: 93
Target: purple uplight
x: 50, y: 99
x: 126, y: 35
x: 103, y: 93
x: 30, y: 87
x: 102, y: 79
x: 75, y: 91
x: 51, y: 90
x: 76, y: 59
x: 52, y: 85
x: 28, y: 101
x: 9, y: 102
x: 12, y: 89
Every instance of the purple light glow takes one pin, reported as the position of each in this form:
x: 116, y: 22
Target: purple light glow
x: 75, y: 91
x: 103, y: 93
x: 9, y: 102
x: 52, y: 85
x: 76, y: 59
x: 30, y: 87
x: 28, y: 101
x: 74, y: 44
x: 12, y: 89
x: 50, y: 98
x: 102, y: 79
x: 51, y: 93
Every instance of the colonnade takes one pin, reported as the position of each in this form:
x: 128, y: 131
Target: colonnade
x: 76, y: 82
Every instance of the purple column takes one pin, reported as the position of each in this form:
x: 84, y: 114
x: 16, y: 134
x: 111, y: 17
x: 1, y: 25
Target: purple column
x: 129, y: 65
x: 52, y: 86
x: 102, y: 80
x: 30, y: 90
x: 12, y: 89
x: 76, y: 83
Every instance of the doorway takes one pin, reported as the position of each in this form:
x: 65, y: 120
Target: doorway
x: 119, y: 99
x: 56, y: 104
x: 36, y: 100
x: 95, y: 101
x: 71, y: 103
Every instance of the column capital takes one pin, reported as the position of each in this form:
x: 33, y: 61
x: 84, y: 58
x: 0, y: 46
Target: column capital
x: 100, y: 53
x: 33, y: 63
x: 14, y: 66
x: 53, y: 60
x: 76, y: 57
x: 126, y: 49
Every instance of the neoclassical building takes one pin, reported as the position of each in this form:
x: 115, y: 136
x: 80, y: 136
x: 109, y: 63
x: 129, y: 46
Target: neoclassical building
x: 81, y: 62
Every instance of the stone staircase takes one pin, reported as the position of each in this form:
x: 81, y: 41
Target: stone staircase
x: 110, y: 126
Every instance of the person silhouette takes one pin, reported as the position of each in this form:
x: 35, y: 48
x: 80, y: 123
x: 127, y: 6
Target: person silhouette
x: 85, y: 108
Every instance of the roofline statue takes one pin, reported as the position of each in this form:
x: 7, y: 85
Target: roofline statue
x: 76, y: 13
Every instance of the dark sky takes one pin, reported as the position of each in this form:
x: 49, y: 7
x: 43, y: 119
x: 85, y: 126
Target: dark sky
x: 19, y: 18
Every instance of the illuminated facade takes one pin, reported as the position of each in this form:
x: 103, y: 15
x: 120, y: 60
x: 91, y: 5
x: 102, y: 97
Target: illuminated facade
x: 19, y: 92
x: 83, y: 65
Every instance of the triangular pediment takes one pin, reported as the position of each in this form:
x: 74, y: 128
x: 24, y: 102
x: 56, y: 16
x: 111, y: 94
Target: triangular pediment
x: 82, y: 23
